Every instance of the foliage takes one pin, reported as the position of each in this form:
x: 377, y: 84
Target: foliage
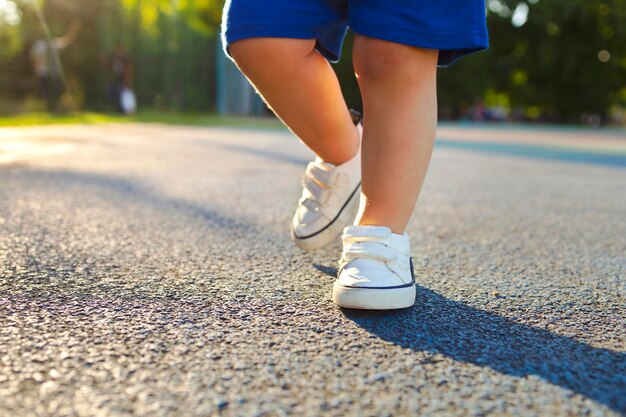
x: 567, y: 59
x: 552, y: 60
x: 170, y: 42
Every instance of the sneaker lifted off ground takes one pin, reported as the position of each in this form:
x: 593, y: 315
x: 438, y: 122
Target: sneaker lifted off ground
x: 330, y: 198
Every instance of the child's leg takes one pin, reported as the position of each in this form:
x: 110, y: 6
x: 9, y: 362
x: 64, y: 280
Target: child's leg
x: 398, y: 84
x: 302, y: 89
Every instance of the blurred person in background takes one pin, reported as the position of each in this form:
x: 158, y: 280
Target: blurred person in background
x: 44, y: 58
x: 120, y: 88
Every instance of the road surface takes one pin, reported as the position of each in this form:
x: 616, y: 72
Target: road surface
x: 146, y: 270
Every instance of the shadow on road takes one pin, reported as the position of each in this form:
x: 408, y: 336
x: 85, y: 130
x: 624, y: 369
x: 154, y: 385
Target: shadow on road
x: 439, y: 325
x: 264, y: 153
x: 91, y: 188
x: 462, y: 333
x: 435, y: 324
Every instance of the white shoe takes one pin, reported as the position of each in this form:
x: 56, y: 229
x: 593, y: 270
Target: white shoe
x: 330, y: 199
x: 375, y: 270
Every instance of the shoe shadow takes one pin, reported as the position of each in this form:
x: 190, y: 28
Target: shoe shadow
x: 465, y: 334
x: 328, y: 270
x: 264, y: 153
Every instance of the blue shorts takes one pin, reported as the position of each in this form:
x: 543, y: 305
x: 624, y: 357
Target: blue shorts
x: 454, y: 27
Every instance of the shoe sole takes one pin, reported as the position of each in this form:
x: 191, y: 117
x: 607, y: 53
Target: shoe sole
x: 374, y: 298
x: 322, y: 237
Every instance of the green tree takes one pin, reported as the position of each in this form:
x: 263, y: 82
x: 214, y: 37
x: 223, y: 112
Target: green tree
x: 565, y: 59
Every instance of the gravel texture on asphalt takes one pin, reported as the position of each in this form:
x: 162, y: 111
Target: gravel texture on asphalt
x: 147, y: 270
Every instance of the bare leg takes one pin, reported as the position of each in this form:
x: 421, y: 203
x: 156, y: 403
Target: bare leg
x: 398, y: 84
x: 300, y: 86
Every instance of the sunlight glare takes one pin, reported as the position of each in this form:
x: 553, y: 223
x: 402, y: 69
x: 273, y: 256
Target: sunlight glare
x: 10, y: 13
x: 520, y: 15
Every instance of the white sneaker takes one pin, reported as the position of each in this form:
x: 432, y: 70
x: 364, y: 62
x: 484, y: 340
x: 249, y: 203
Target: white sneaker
x: 330, y: 199
x: 375, y: 270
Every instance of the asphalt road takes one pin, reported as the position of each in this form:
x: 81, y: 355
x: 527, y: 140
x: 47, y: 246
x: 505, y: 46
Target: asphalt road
x: 147, y: 270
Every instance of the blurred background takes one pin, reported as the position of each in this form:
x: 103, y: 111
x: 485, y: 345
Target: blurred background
x: 550, y: 61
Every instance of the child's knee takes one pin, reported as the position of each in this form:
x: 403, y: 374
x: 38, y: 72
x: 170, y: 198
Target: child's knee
x: 376, y: 59
x: 271, y: 53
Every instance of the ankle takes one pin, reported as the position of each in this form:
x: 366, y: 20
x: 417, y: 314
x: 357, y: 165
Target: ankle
x: 395, y: 229
x: 346, y: 153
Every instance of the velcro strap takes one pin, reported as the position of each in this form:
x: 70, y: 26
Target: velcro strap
x: 365, y: 233
x: 314, y: 188
x: 314, y: 170
x: 371, y: 250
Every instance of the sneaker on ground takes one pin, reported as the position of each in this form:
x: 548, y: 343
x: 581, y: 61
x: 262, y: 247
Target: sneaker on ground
x: 375, y: 270
x: 330, y: 199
